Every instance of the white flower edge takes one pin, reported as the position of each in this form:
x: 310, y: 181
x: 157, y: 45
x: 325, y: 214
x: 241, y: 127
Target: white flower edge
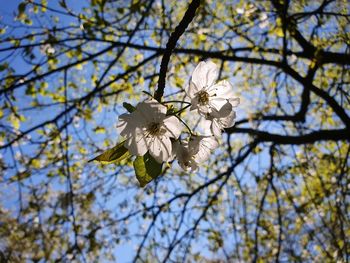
x: 148, y: 128
x: 205, y: 95
x: 196, y: 151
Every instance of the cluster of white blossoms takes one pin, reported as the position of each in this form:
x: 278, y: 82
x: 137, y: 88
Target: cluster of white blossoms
x: 151, y: 128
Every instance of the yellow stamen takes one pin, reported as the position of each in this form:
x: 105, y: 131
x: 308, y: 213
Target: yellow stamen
x: 156, y: 129
x: 203, y: 98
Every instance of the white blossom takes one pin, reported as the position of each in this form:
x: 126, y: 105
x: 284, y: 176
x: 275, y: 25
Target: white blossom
x: 47, y: 49
x: 218, y: 123
x: 185, y: 156
x: 205, y: 95
x: 240, y: 10
x: 203, y: 146
x: 148, y: 128
x: 264, y: 21
x: 195, y: 152
x: 247, y: 10
x: 214, y: 124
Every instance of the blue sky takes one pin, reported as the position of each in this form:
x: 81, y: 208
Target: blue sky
x: 125, y: 251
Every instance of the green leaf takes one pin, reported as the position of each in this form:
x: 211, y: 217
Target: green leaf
x: 99, y: 129
x: 128, y: 107
x: 114, y: 155
x: 21, y: 8
x: 146, y: 169
x: 63, y: 3
x: 4, y: 66
x: 20, y: 176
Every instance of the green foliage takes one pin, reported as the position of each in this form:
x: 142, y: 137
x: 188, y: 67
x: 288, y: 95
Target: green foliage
x: 146, y: 169
x: 57, y: 207
x: 114, y: 155
x: 128, y: 107
x: 21, y: 10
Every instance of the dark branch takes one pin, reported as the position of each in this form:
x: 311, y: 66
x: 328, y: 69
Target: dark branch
x: 322, y: 135
x: 174, y: 37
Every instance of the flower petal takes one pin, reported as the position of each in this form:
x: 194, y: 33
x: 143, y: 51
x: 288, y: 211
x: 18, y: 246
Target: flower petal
x: 192, y: 89
x: 222, y: 113
x: 173, y: 126
x: 193, y: 144
x: 184, y: 158
x: 203, y: 109
x: 228, y: 121
x: 205, y: 74
x: 151, y: 110
x: 216, y: 128
x: 129, y: 122
x: 206, y: 146
x: 189, y: 166
x: 219, y: 124
x: 194, y: 103
x: 234, y: 102
x: 160, y: 148
x: 204, y: 126
x: 123, y: 121
x: 136, y: 142
x: 224, y: 89
x: 217, y: 103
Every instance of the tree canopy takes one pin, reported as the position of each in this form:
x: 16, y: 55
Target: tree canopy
x: 277, y: 188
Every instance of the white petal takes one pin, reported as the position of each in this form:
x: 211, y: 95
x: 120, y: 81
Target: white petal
x: 204, y: 127
x: 194, y: 144
x: 220, y: 124
x: 189, y: 166
x: 173, y: 126
x: 194, y: 103
x: 193, y: 107
x: 223, y: 112
x: 151, y: 110
x: 224, y: 89
x: 127, y: 123
x: 216, y: 128
x: 182, y: 152
x: 191, y: 90
x: 160, y: 148
x: 206, y: 146
x: 204, y: 109
x: 234, y: 102
x: 184, y: 158
x: 131, y: 126
x: 205, y: 74
x: 174, y: 150
x: 228, y: 121
x: 122, y: 123
x: 217, y: 103
x: 136, y: 143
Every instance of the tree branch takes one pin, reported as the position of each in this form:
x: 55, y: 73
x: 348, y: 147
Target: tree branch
x: 174, y: 37
x: 322, y: 135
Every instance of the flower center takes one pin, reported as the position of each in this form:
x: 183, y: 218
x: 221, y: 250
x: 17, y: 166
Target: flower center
x: 155, y: 129
x: 203, y: 98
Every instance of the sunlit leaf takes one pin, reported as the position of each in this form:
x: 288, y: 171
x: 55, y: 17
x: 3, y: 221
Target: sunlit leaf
x: 146, y: 169
x: 128, y: 107
x: 100, y: 129
x: 114, y: 155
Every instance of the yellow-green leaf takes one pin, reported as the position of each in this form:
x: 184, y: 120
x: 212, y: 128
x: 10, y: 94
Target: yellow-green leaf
x: 146, y: 169
x: 114, y: 155
x: 128, y: 107
x: 100, y: 129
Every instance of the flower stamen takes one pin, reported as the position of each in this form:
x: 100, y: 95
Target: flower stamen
x: 155, y: 129
x: 203, y: 98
